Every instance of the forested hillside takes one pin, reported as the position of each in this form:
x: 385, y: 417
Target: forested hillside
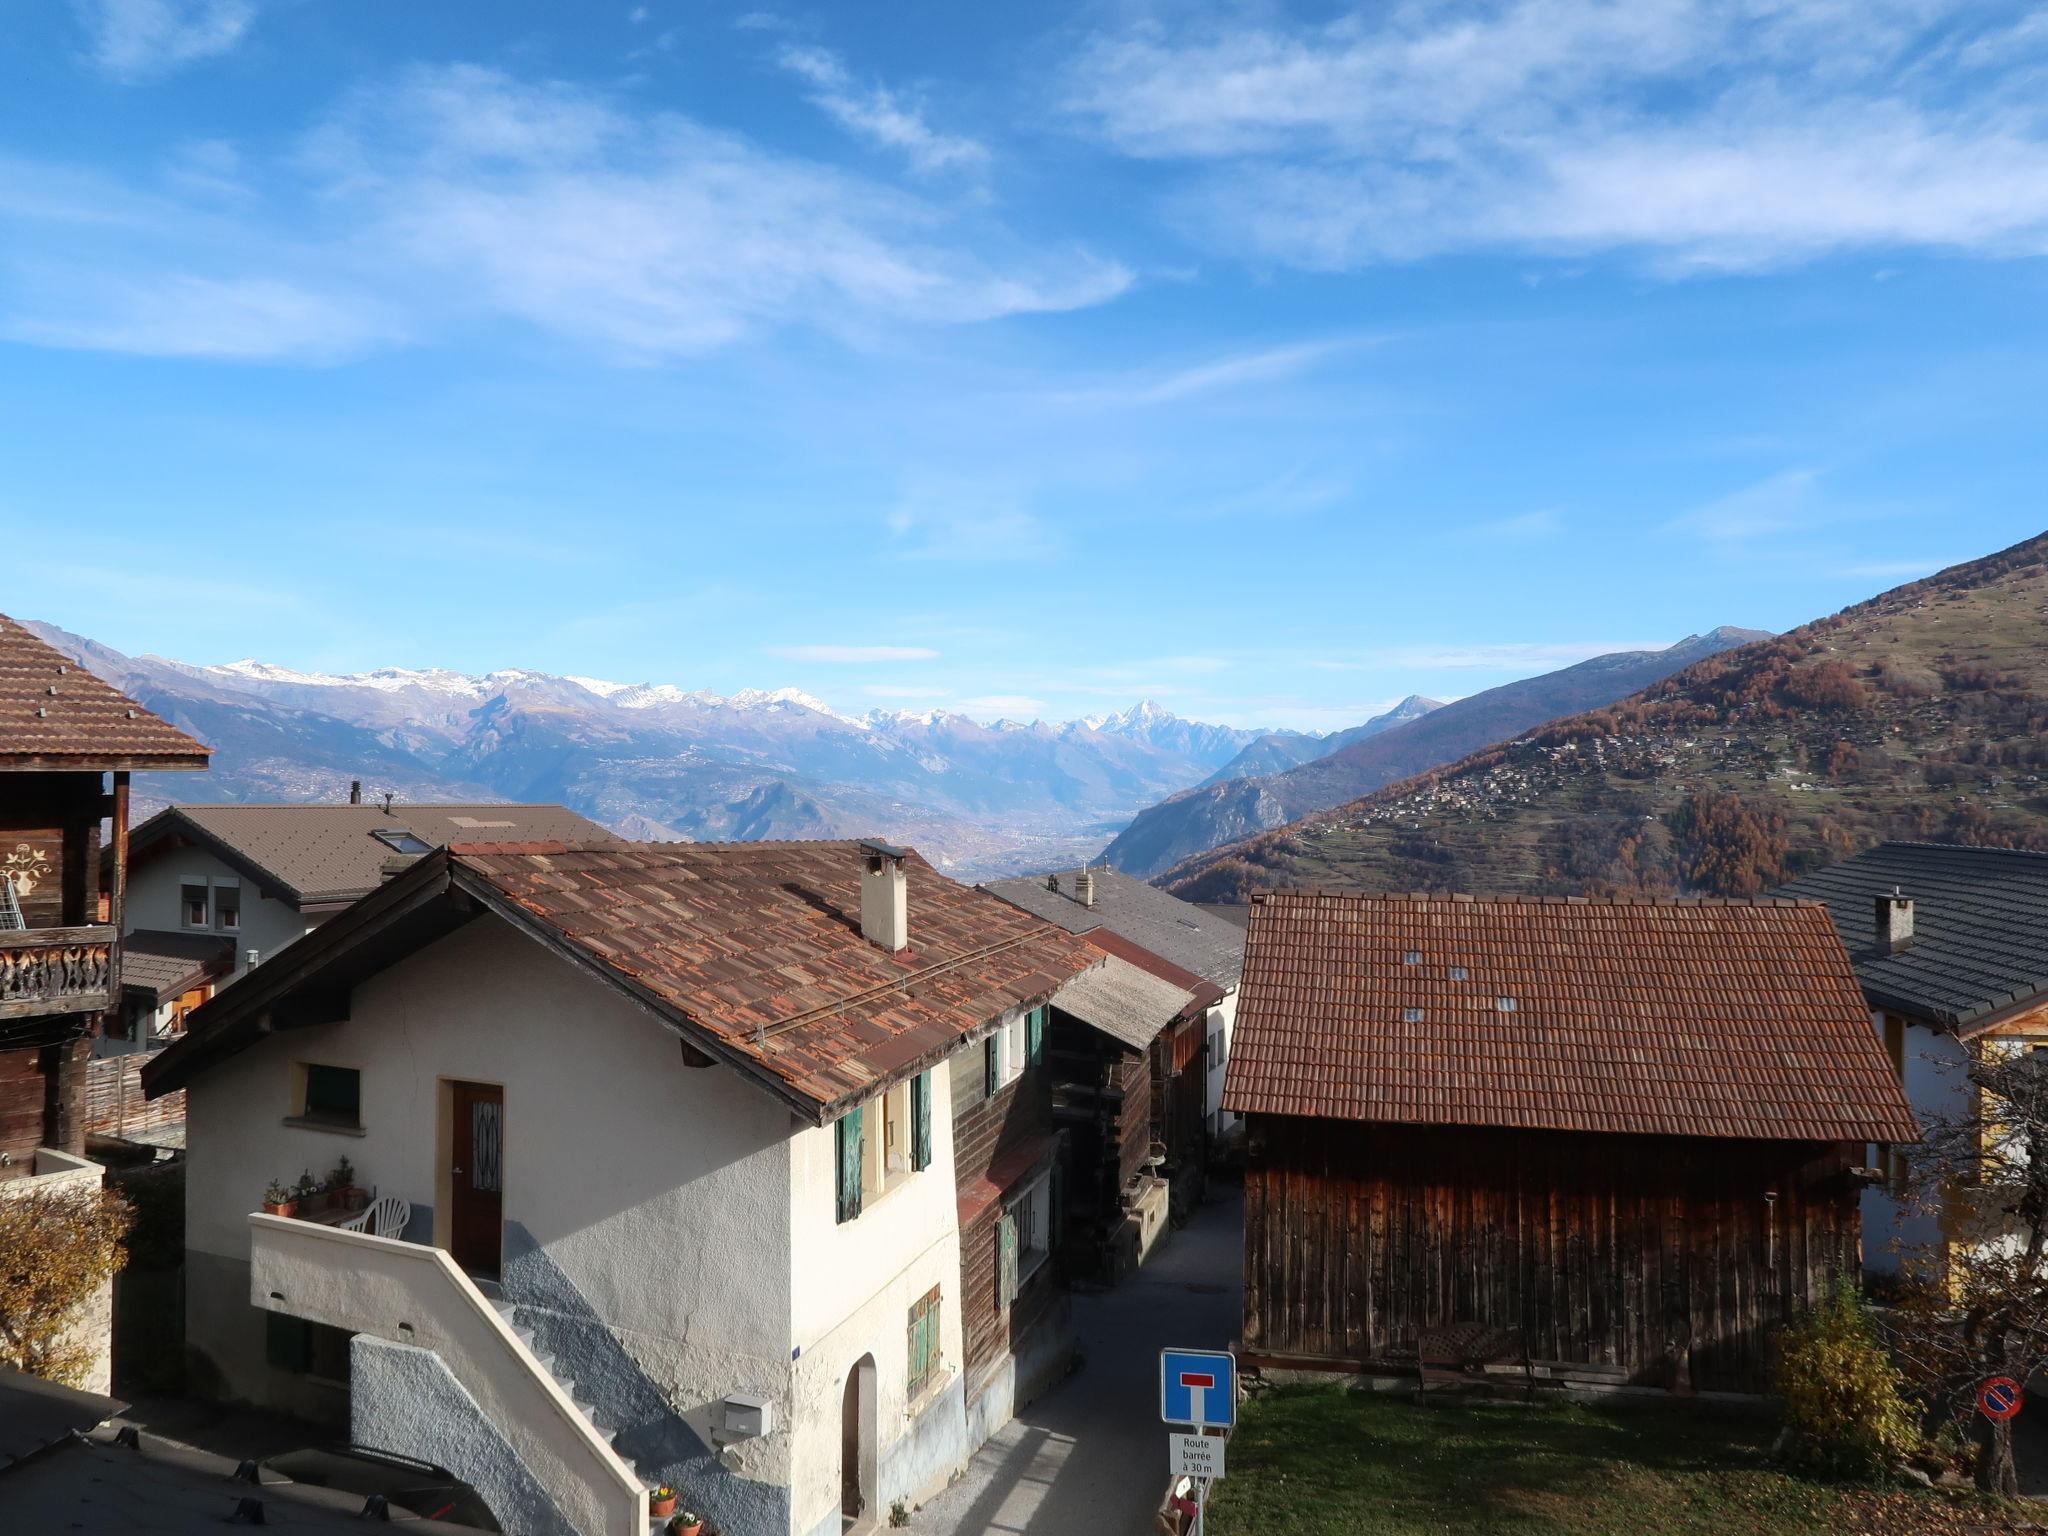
x: 1918, y: 714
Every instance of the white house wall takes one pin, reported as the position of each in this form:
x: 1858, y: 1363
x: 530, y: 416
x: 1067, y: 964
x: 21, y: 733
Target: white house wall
x: 853, y: 1285
x: 658, y: 1190
x: 1223, y: 1016
x: 1938, y: 1087
x: 267, y: 924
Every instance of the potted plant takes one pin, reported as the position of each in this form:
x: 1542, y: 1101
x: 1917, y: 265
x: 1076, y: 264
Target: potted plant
x: 686, y: 1522
x: 278, y: 1201
x: 661, y: 1503
x: 342, y: 1194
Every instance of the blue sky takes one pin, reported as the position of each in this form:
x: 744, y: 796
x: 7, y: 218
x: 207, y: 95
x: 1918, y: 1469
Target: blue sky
x: 1271, y: 361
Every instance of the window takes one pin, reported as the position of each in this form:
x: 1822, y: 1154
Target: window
x: 883, y: 1142
x: 193, y: 902
x: 329, y: 1097
x: 1412, y: 957
x: 306, y: 1349
x: 849, y: 1150
x: 227, y: 906
x: 1024, y: 1240
x: 1013, y: 1047
x: 398, y: 840
x: 1505, y: 1004
x: 924, y: 1344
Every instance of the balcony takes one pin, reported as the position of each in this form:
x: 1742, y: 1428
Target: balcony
x: 46, y: 972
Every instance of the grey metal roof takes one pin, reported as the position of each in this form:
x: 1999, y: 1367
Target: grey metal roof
x: 1129, y: 1005
x: 1176, y: 930
x: 317, y: 854
x: 1980, y: 927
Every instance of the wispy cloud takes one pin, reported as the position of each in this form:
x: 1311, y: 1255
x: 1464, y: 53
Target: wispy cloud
x: 951, y: 518
x: 445, y: 195
x: 852, y: 654
x: 137, y: 39
x: 1522, y: 528
x: 1707, y: 135
x: 876, y: 113
x: 1174, y: 385
x: 1779, y: 504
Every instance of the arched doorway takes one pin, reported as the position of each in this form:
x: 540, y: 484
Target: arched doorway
x: 857, y: 1446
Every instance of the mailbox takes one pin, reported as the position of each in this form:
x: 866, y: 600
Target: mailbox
x: 745, y: 1416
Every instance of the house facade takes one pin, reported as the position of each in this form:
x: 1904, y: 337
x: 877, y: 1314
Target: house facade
x: 1950, y: 946
x: 1624, y: 1135
x: 726, y: 1167
x: 68, y: 744
x: 1185, y: 935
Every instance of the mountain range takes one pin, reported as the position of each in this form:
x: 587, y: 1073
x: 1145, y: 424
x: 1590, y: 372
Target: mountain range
x: 1416, y: 736
x: 657, y: 761
x: 1921, y: 713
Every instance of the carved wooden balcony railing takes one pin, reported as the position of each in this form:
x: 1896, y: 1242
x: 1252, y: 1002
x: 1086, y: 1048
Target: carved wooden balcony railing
x: 55, y: 970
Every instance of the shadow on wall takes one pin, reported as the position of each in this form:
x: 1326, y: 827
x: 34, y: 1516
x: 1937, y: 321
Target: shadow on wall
x: 653, y: 1437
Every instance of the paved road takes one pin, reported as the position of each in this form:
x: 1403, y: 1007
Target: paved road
x: 1090, y: 1456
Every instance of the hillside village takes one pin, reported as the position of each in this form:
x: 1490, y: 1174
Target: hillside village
x: 1010, y: 1113
x: 1135, y: 769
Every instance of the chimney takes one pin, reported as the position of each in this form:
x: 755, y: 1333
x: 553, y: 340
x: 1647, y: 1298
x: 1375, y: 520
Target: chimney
x: 884, y: 896
x: 355, y: 791
x: 1894, y: 922
x: 1084, y: 887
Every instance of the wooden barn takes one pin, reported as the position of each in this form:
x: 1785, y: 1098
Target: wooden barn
x: 1125, y: 1056
x: 1626, y: 1135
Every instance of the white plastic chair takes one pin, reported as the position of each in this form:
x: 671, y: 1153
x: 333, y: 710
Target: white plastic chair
x: 385, y: 1216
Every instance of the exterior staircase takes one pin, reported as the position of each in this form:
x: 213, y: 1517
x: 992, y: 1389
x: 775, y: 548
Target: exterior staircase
x: 509, y: 1311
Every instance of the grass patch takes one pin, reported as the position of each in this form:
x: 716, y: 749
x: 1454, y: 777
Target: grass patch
x: 1323, y: 1461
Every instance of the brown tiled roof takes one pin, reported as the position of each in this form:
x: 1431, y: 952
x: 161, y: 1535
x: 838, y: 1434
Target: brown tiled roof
x: 322, y: 854
x: 54, y: 714
x: 1699, y: 1018
x: 165, y: 964
x: 759, y: 944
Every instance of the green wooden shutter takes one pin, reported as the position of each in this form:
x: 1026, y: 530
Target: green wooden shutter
x: 921, y: 1120
x: 849, y: 1165
x: 1034, y: 1036
x: 992, y: 1052
x: 1006, y: 1260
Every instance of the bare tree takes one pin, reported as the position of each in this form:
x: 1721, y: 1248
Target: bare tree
x: 1976, y: 1304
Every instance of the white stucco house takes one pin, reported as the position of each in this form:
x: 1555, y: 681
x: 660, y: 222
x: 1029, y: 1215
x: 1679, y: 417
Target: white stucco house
x: 725, y: 1166
x: 1950, y: 946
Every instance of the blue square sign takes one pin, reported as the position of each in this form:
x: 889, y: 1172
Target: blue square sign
x: 1198, y: 1387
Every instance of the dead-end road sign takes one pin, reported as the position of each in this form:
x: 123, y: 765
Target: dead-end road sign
x: 1198, y: 1387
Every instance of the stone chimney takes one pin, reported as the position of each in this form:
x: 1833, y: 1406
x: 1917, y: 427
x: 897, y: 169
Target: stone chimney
x: 1084, y: 886
x: 884, y: 896
x: 1894, y: 922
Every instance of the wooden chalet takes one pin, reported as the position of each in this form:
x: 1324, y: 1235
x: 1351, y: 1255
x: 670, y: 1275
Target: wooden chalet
x: 1624, y: 1135
x: 62, y: 732
x: 1125, y: 1057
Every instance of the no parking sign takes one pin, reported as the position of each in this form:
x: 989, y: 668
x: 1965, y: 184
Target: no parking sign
x: 1999, y: 1398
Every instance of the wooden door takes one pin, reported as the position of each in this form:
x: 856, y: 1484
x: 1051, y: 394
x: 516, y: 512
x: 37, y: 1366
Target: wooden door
x: 476, y: 1177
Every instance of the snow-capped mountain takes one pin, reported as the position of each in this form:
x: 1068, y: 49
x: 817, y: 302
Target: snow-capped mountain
x: 658, y: 759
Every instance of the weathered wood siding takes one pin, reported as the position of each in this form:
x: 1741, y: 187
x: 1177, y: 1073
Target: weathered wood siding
x: 114, y: 1105
x: 984, y: 1128
x: 23, y: 1091
x: 1626, y: 1256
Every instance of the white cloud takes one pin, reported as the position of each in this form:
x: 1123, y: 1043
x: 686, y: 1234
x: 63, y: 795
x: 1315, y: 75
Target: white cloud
x: 853, y: 653
x: 1010, y: 704
x: 1171, y: 386
x: 455, y: 194
x: 952, y: 518
x: 876, y: 113
x: 135, y: 39
x: 1779, y: 504
x: 1708, y: 135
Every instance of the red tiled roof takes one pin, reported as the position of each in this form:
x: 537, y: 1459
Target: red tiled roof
x: 760, y: 945
x: 54, y: 714
x: 1698, y: 1018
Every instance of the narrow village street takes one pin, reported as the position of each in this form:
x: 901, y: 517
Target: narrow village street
x: 1091, y: 1454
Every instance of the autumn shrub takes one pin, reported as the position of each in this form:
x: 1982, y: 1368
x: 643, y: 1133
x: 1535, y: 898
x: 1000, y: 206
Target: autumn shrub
x: 1727, y: 846
x: 1828, y: 686
x: 1843, y: 1398
x: 57, y: 1247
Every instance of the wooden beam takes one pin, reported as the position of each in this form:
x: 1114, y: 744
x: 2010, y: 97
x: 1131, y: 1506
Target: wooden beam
x: 314, y: 1006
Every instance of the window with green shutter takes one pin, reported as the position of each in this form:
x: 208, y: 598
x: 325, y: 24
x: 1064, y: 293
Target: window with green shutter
x: 992, y: 1049
x: 849, y: 1142
x: 1034, y: 1037
x: 924, y: 1343
x: 921, y: 1121
x: 1006, y: 1260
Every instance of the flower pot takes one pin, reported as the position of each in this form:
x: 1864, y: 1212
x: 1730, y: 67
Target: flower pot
x: 686, y: 1530
x: 280, y: 1207
x: 660, y: 1509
